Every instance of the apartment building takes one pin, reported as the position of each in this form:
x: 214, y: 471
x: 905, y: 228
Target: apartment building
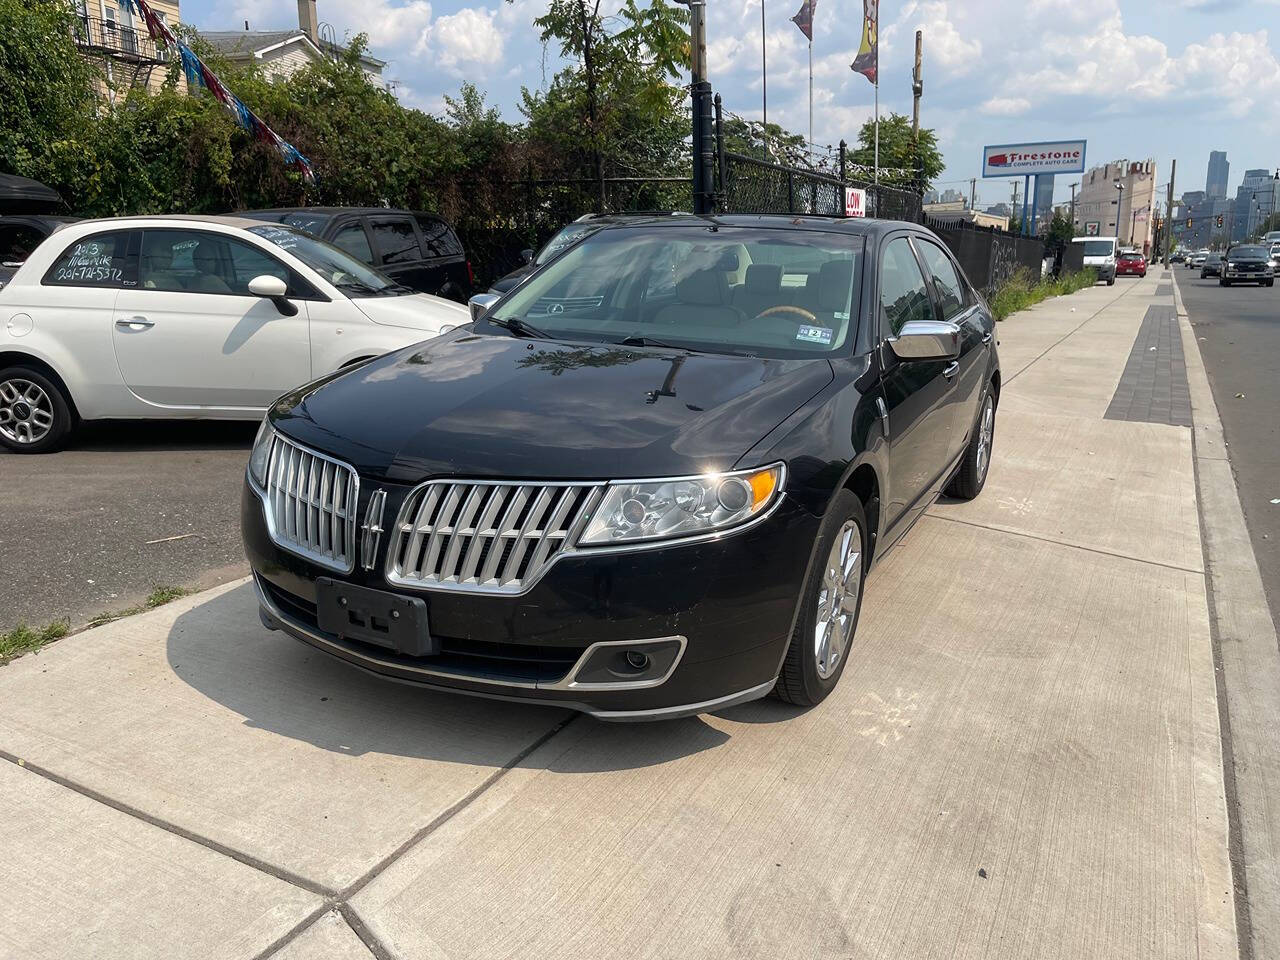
x: 1104, y: 210
x: 112, y: 35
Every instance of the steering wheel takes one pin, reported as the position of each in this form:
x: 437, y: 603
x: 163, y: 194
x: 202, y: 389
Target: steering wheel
x: 786, y: 308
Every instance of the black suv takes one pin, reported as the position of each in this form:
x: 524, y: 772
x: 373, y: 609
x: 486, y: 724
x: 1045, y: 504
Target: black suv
x: 647, y: 482
x: 419, y: 250
x: 20, y: 235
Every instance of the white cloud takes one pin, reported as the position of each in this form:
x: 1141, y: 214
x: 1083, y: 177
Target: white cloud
x: 1005, y: 106
x: 468, y: 36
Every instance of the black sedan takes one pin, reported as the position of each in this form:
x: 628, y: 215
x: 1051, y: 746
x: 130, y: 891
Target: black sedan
x: 1212, y: 266
x: 648, y: 482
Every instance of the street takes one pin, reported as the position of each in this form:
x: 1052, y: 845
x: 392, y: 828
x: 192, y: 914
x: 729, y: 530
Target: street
x: 1238, y: 329
x: 80, y: 520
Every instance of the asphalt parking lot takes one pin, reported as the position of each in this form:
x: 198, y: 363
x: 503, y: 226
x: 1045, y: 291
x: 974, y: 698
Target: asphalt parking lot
x: 1022, y: 760
x: 124, y: 508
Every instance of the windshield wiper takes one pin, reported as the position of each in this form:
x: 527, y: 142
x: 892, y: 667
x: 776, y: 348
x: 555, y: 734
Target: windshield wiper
x: 640, y: 340
x: 519, y: 327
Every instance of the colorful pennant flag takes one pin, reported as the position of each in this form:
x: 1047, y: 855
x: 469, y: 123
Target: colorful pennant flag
x: 199, y: 75
x: 804, y: 18
x: 867, y: 62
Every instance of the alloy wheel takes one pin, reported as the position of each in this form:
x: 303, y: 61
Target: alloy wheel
x: 838, y: 599
x: 985, y: 433
x: 26, y: 411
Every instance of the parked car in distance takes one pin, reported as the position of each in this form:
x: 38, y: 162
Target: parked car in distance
x: 1131, y: 263
x: 1211, y: 265
x: 1247, y: 263
x: 419, y: 250
x: 647, y: 482
x: 1274, y: 254
x: 564, y: 238
x: 20, y: 235
x: 187, y: 317
x: 1100, y: 254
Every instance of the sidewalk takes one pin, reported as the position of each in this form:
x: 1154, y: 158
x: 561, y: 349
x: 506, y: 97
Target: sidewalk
x: 1022, y: 760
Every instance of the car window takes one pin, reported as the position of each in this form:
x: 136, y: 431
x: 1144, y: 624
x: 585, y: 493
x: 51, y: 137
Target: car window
x: 97, y: 261
x: 17, y: 240
x: 352, y: 238
x: 396, y: 239
x: 438, y: 237
x: 353, y: 278
x: 946, y: 281
x: 903, y: 296
x: 718, y: 288
x: 192, y: 261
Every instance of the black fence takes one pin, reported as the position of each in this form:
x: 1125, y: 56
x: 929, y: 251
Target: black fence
x: 751, y: 185
x: 989, y: 256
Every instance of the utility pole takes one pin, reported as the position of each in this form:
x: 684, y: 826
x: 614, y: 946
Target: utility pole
x: 973, y: 193
x: 1014, y: 211
x: 917, y: 91
x: 1168, y: 214
x: 700, y: 88
x: 1073, y: 208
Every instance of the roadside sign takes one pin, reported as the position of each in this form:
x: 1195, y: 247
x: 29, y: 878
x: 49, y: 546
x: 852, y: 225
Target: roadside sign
x: 855, y: 202
x: 1091, y: 228
x: 1028, y: 159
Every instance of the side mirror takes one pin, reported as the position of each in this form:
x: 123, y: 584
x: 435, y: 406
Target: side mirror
x: 526, y: 255
x: 926, y: 340
x: 273, y: 289
x: 481, y: 303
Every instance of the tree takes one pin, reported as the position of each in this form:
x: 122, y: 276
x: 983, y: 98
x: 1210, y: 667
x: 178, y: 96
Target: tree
x: 900, y: 153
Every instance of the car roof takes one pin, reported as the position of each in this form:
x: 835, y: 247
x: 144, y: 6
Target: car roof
x: 355, y: 211
x: 861, y: 226
x: 172, y: 219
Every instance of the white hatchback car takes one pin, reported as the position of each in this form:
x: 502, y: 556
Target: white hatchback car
x: 188, y: 317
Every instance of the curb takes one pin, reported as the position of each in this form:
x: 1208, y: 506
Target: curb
x: 1248, y: 662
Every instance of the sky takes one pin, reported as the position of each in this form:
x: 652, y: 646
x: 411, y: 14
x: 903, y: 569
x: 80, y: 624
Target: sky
x: 1163, y: 80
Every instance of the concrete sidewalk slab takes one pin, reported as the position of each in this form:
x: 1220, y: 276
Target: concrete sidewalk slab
x: 329, y: 938
x: 1109, y: 485
x: 1062, y: 744
x: 196, y: 715
x: 83, y: 880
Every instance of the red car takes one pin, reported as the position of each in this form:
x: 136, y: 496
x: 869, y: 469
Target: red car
x: 1131, y: 262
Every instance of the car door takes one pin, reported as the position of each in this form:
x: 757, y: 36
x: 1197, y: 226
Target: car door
x: 190, y: 335
x: 916, y: 393
x: 449, y: 275
x: 958, y: 303
x: 352, y: 237
x: 395, y: 240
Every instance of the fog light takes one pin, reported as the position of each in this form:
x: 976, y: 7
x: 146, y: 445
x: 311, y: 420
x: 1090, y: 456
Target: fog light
x: 637, y: 660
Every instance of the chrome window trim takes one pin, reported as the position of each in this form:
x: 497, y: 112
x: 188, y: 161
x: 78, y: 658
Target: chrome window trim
x: 268, y: 512
x: 571, y: 547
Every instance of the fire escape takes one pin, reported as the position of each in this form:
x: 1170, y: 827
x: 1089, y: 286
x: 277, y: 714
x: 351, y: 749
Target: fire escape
x: 127, y: 56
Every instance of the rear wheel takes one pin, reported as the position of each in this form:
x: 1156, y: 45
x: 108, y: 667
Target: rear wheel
x: 34, y: 415
x: 832, y: 600
x: 1111, y: 281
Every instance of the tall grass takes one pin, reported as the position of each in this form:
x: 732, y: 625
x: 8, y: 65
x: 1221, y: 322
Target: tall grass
x: 1022, y: 290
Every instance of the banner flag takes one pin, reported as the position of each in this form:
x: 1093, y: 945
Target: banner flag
x: 199, y: 75
x: 867, y: 62
x: 804, y: 18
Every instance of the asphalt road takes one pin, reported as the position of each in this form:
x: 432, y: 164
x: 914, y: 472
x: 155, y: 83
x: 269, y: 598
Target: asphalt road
x: 77, y: 527
x: 1238, y: 329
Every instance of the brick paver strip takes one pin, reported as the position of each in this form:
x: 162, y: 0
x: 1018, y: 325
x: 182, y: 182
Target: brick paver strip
x: 1153, y: 387
x: 1164, y: 289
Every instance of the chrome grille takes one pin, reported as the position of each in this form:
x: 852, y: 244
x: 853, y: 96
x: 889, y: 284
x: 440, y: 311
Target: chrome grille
x: 311, y: 504
x: 484, y: 535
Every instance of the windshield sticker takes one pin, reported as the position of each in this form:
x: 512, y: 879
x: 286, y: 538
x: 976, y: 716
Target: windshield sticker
x: 820, y: 335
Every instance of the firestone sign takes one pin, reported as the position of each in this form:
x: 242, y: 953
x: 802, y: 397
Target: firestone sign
x: 1029, y: 159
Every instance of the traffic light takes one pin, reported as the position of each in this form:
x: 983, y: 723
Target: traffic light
x: 1219, y: 220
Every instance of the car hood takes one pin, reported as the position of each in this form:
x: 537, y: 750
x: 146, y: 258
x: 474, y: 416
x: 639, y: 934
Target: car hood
x: 497, y: 406
x: 418, y: 311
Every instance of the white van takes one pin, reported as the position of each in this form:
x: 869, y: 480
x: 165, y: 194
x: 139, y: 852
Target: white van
x: 1100, y: 253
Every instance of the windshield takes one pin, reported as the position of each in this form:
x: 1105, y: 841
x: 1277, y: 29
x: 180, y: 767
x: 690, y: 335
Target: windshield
x: 302, y: 219
x: 567, y: 237
x: 1098, y: 248
x: 344, y: 271
x: 778, y: 293
x: 1248, y: 253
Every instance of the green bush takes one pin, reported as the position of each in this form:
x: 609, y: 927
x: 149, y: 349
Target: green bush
x: 1022, y: 290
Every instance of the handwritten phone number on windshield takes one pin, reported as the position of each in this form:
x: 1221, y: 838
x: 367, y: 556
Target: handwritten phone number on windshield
x: 89, y: 274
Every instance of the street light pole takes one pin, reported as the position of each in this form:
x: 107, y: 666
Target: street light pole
x: 1119, y: 185
x: 1073, y: 208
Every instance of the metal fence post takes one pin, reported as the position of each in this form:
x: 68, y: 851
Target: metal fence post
x: 844, y: 148
x: 722, y: 191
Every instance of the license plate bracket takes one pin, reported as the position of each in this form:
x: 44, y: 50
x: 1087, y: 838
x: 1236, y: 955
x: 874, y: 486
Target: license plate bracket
x: 385, y: 619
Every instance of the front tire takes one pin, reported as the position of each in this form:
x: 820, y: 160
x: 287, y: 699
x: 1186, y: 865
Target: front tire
x: 832, y: 601
x: 976, y: 463
x: 1111, y: 281
x: 35, y: 416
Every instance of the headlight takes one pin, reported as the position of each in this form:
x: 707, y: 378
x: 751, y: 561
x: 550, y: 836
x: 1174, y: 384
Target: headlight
x: 261, y: 453
x: 685, y: 507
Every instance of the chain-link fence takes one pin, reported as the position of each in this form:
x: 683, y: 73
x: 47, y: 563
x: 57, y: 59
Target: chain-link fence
x: 749, y: 185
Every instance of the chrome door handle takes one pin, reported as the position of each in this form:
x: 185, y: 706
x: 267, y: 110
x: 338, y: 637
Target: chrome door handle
x: 986, y: 337
x: 952, y: 369
x: 134, y: 323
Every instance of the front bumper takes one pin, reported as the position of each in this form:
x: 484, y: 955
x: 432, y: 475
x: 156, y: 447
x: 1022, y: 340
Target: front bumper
x: 1248, y: 276
x: 731, y: 602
